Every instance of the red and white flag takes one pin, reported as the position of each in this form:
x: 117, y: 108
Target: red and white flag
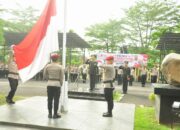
x: 33, y: 52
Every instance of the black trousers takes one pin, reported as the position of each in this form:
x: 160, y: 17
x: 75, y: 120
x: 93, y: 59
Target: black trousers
x: 153, y: 78
x: 108, y: 93
x: 13, y: 85
x: 131, y: 80
x: 119, y: 77
x: 53, y: 94
x: 92, y: 81
x: 125, y: 84
x: 143, y: 80
x: 84, y: 77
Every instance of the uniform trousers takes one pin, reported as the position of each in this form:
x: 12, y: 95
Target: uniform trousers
x: 131, y: 80
x: 13, y: 84
x: 125, y: 84
x: 53, y: 93
x: 153, y: 78
x: 92, y: 81
x: 84, y: 77
x: 119, y: 77
x: 143, y: 80
x: 108, y: 93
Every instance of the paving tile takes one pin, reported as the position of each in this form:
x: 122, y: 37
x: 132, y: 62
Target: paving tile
x: 81, y: 115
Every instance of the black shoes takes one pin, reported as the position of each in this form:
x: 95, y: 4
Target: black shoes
x: 50, y: 116
x: 107, y: 114
x: 56, y: 116
x: 9, y: 101
x: 91, y: 90
x: 124, y: 92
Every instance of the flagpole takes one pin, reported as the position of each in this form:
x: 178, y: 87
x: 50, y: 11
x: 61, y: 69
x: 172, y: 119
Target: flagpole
x: 64, y: 87
x: 64, y: 33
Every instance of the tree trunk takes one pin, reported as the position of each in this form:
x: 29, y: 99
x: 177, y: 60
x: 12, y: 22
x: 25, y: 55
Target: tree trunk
x: 107, y: 47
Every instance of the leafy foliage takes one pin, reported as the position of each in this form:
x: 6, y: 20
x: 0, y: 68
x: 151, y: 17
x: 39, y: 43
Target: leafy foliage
x: 146, y: 17
x: 106, y: 36
x: 22, y: 19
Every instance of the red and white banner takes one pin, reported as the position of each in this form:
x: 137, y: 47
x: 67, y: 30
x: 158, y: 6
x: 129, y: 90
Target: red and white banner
x: 33, y: 52
x: 135, y: 60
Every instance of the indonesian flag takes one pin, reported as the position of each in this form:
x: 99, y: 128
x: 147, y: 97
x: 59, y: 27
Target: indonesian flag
x: 33, y: 52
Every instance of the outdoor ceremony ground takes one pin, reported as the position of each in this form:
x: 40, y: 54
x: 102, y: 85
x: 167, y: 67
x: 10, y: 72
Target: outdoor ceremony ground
x: 82, y: 115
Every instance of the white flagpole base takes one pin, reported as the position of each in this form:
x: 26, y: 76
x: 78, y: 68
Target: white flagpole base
x: 63, y: 105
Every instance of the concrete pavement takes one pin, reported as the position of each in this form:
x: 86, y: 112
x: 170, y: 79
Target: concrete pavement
x: 81, y: 115
x: 136, y: 94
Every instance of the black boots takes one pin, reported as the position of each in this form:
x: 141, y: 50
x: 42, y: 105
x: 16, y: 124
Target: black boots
x: 56, y: 116
x: 50, y: 116
x: 107, y: 114
x: 9, y: 101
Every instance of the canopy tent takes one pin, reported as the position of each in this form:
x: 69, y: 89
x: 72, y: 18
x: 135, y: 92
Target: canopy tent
x: 73, y: 40
x: 169, y: 41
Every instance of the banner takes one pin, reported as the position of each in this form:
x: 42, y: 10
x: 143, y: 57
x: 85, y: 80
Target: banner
x: 135, y: 60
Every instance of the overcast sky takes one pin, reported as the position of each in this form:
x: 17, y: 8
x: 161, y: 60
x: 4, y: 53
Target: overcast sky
x: 80, y: 13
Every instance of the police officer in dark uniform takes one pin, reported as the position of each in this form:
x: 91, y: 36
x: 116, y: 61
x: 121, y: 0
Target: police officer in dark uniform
x: 126, y: 76
x: 93, y: 71
x: 54, y: 73
x: 108, y: 79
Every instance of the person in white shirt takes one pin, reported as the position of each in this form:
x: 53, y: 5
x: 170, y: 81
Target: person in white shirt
x: 119, y: 75
x: 154, y: 74
x: 108, y: 79
x: 131, y: 77
x: 143, y: 76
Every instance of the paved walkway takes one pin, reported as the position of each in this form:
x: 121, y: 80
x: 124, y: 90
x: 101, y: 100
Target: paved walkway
x: 81, y: 115
x: 136, y: 94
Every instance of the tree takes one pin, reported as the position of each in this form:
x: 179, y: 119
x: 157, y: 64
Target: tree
x: 143, y: 19
x: 22, y: 19
x: 2, y: 43
x: 105, y: 35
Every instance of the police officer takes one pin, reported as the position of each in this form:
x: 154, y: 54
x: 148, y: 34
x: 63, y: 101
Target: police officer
x: 54, y: 73
x: 13, y: 77
x: 126, y: 76
x: 93, y: 71
x: 108, y: 78
x: 143, y: 75
x: 154, y: 74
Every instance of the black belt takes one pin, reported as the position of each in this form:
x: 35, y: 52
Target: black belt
x: 109, y: 81
x: 13, y: 73
x: 54, y: 79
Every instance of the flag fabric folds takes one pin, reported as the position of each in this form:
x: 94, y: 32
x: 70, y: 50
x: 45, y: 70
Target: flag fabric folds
x: 33, y: 52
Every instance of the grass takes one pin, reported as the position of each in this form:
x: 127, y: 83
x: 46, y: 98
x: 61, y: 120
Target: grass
x: 3, y: 100
x: 117, y: 96
x: 145, y: 120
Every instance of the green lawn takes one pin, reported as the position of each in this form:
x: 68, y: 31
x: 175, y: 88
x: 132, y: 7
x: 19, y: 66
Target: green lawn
x: 3, y: 101
x: 145, y: 120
